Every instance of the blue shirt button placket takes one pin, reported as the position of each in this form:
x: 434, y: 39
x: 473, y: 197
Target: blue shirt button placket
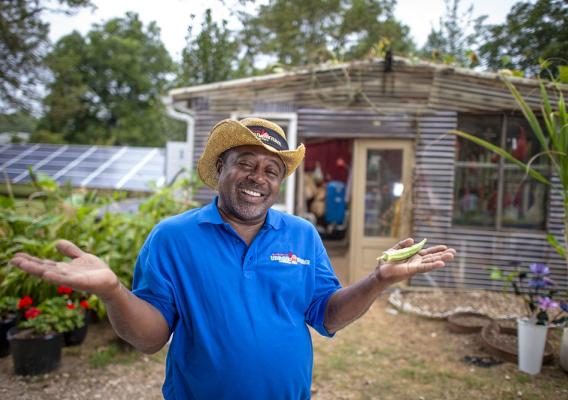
x: 248, y: 266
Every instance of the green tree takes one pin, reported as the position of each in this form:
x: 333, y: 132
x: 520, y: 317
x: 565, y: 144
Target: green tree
x: 532, y: 31
x: 300, y: 32
x: 456, y: 37
x: 17, y: 122
x: 107, y: 85
x: 23, y: 45
x: 209, y: 56
x: 366, y: 23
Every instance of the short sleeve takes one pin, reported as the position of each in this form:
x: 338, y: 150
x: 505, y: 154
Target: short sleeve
x: 325, y: 285
x: 152, y: 281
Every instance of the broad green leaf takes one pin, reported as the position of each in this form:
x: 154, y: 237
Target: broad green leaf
x: 6, y: 202
x: 549, y: 120
x: 496, y: 274
x: 563, y: 73
x: 528, y: 113
x: 554, y: 243
x: 544, y: 63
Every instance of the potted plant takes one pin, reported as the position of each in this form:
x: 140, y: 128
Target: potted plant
x: 75, y: 301
x: 532, y: 330
x: 564, y: 341
x: 37, y: 339
x: 8, y: 311
x: 78, y: 304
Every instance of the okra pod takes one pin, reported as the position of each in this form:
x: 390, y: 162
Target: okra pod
x: 402, y: 254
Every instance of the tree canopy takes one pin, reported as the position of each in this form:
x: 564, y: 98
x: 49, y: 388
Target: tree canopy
x: 457, y: 36
x: 23, y: 46
x: 300, y: 32
x: 533, y: 31
x: 17, y: 122
x: 210, y: 55
x: 107, y: 85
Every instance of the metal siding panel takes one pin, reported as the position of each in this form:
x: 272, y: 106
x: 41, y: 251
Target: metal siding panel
x: 204, y: 122
x: 353, y: 124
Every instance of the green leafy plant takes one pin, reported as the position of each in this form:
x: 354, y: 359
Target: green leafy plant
x: 54, y: 315
x: 537, y: 291
x: 8, y: 306
x: 552, y: 138
x: 56, y: 212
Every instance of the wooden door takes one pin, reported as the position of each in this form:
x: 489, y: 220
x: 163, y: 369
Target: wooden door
x: 381, y: 200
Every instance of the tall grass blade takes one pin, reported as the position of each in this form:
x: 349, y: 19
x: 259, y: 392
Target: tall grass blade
x: 528, y: 113
x: 496, y: 149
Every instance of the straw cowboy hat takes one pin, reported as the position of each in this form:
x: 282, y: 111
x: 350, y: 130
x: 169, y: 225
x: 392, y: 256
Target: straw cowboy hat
x: 249, y: 131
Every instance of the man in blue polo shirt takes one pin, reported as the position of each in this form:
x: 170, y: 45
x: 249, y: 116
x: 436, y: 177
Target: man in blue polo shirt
x: 235, y: 282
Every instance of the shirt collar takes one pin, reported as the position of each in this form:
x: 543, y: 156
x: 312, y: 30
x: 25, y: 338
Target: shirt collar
x: 210, y: 214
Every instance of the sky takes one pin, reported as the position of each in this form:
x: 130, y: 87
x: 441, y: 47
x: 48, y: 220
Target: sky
x: 173, y: 16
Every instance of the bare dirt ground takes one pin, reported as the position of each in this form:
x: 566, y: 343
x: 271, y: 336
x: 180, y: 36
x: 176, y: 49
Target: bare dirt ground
x: 384, y: 355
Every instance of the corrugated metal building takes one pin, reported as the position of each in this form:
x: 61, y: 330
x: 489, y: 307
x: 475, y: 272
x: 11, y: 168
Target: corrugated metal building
x: 380, y: 130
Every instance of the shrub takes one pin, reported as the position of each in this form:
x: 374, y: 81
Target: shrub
x: 56, y: 212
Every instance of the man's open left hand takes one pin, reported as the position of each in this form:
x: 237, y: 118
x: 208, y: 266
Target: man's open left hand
x: 426, y: 260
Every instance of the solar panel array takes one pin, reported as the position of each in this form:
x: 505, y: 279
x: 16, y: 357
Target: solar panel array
x: 101, y: 167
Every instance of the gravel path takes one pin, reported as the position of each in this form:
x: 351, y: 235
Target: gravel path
x: 133, y: 376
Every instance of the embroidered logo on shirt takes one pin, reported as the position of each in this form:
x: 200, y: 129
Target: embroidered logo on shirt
x: 289, y: 258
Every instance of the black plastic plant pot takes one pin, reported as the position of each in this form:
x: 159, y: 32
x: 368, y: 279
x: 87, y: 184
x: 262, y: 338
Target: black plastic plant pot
x: 37, y: 355
x: 5, y: 326
x: 76, y: 336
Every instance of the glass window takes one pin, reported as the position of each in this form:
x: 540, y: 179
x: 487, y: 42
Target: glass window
x: 476, y: 195
x: 482, y: 178
x: 524, y: 200
x: 484, y: 127
x: 383, y: 190
x: 477, y: 173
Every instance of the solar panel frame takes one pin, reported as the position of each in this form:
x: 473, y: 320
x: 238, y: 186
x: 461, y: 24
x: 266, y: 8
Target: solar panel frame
x: 101, y: 167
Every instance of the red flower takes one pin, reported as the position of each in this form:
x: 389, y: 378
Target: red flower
x: 71, y: 306
x: 61, y: 290
x: 32, y: 313
x: 25, y: 302
x: 84, y: 304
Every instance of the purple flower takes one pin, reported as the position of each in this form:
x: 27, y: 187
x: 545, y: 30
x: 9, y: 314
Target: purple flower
x: 546, y: 303
x: 540, y: 283
x: 539, y: 270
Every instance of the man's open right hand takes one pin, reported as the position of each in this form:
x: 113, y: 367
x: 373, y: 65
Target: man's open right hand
x: 84, y: 272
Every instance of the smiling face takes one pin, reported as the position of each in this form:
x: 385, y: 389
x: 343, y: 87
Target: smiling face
x: 249, y: 183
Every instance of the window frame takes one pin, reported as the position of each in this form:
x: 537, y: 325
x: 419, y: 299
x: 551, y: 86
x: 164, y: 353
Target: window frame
x: 501, y: 167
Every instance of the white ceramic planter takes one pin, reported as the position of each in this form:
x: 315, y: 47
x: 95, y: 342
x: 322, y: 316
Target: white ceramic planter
x: 564, y: 350
x: 532, y: 339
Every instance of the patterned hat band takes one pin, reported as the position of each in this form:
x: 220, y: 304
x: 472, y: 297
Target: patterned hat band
x: 269, y: 137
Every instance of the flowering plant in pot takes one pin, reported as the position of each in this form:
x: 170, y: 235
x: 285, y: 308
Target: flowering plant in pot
x: 542, y: 311
x: 77, y: 303
x: 8, y: 313
x: 37, y: 339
